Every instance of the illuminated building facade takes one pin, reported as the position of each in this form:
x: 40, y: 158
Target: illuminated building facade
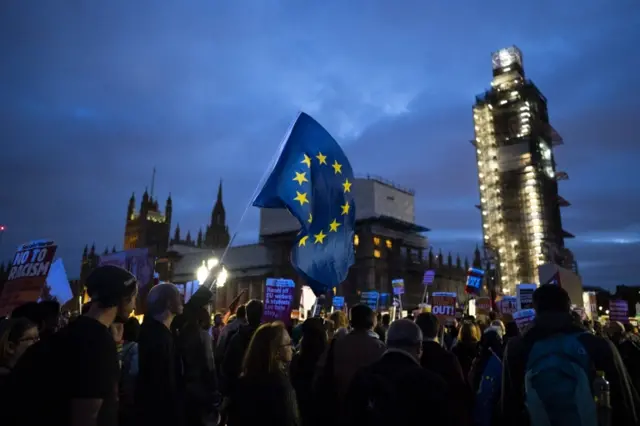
x: 517, y: 175
x: 148, y: 228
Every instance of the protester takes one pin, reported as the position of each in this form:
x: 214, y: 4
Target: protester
x: 263, y: 394
x: 304, y: 365
x: 16, y: 336
x: 383, y: 326
x: 232, y: 362
x: 340, y: 324
x: 438, y: 360
x: 396, y: 390
x: 159, y: 388
x: 74, y: 374
x: 128, y: 371
x: 466, y: 347
x: 228, y: 332
x: 628, y: 345
x: 485, y: 378
x: 556, y: 341
x: 216, y: 329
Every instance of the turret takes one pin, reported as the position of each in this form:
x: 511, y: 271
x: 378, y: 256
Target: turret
x: 449, y: 260
x: 477, y: 258
x: 466, y: 263
x: 440, y: 258
x: 144, y: 205
x: 188, y: 239
x: 431, y: 262
x: 113, y: 250
x: 92, y: 253
x: 106, y: 251
x: 458, y: 261
x: 218, y: 215
x: 168, y: 210
x: 176, y: 235
x: 132, y: 207
x: 85, y: 252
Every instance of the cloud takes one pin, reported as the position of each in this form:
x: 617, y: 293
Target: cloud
x: 104, y: 92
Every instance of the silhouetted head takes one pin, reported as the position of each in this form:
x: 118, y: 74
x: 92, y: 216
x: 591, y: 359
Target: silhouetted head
x: 551, y: 298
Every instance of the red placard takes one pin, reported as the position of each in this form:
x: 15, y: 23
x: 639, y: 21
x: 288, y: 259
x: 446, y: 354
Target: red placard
x: 443, y: 305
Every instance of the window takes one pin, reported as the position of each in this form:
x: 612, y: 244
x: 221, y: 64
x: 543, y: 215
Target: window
x: 376, y: 241
x: 376, y: 254
x: 356, y: 240
x: 389, y: 244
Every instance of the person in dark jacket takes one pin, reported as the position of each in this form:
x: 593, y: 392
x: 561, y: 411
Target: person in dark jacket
x: 553, y: 317
x: 232, y: 361
x: 304, y: 366
x: 396, y: 389
x: 263, y: 394
x: 438, y: 360
x: 195, y: 350
x: 158, y: 393
x: 628, y: 345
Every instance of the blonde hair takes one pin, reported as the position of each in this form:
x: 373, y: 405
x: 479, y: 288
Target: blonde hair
x: 262, y: 353
x: 339, y: 319
x: 469, y: 333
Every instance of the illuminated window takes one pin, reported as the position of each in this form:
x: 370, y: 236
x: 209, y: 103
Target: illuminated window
x: 389, y: 244
x: 356, y: 240
x: 376, y: 241
x: 376, y: 254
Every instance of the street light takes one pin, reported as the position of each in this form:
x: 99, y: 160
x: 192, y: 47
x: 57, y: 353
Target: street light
x: 599, y: 308
x: 203, y: 272
x: 607, y: 312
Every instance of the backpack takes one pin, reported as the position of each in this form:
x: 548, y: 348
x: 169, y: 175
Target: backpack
x: 557, y: 385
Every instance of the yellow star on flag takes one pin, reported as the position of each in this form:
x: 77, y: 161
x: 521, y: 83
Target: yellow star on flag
x: 310, y: 220
x: 303, y: 241
x: 319, y: 237
x: 301, y: 177
x: 345, y: 208
x: 347, y: 186
x: 337, y: 167
x: 301, y: 197
x: 333, y: 226
x: 322, y: 159
x: 307, y: 160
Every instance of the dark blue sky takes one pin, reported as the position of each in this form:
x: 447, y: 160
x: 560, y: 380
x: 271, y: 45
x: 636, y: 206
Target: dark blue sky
x: 94, y: 94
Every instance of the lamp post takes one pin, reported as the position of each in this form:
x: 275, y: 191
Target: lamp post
x: 210, y: 275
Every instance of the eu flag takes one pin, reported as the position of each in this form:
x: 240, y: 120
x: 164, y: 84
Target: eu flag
x: 312, y: 178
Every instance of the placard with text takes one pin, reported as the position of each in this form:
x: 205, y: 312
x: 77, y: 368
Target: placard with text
x: 277, y: 300
x: 443, y: 305
x: 27, y: 275
x: 524, y: 293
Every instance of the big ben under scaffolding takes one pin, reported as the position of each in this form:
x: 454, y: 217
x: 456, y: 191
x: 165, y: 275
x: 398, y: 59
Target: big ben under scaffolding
x: 517, y: 175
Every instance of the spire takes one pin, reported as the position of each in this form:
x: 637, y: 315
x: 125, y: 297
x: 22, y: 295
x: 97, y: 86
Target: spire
x: 219, y: 199
x: 132, y: 206
x: 199, y: 239
x: 466, y: 263
x: 188, y: 239
x: 440, y: 258
x: 106, y: 251
x: 458, y: 261
x: 431, y: 263
x: 153, y: 181
x: 477, y: 258
x: 85, y: 251
x: 113, y: 250
x: 449, y: 260
x: 176, y: 234
x: 93, y: 250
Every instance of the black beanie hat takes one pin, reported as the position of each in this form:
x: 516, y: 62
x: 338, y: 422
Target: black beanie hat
x: 108, y: 285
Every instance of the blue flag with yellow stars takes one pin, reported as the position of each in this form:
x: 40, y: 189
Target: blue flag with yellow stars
x: 312, y: 179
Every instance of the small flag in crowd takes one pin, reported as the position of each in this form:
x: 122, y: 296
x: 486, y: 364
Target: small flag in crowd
x: 313, y: 180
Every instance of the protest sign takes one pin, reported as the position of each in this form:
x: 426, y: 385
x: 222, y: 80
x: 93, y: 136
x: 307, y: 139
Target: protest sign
x: 398, y: 286
x: 483, y: 305
x: 338, y: 302
x: 443, y: 305
x: 524, y: 317
x: 508, y: 305
x: 370, y: 298
x: 277, y: 300
x: 619, y: 311
x: 428, y: 277
x: 28, y: 274
x: 524, y: 294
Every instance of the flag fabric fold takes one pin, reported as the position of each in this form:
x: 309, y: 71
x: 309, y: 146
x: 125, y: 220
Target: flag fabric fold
x: 313, y: 179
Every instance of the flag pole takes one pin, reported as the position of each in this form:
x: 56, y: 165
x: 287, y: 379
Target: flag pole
x: 264, y: 177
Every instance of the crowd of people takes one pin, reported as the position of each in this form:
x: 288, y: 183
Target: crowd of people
x: 181, y: 368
